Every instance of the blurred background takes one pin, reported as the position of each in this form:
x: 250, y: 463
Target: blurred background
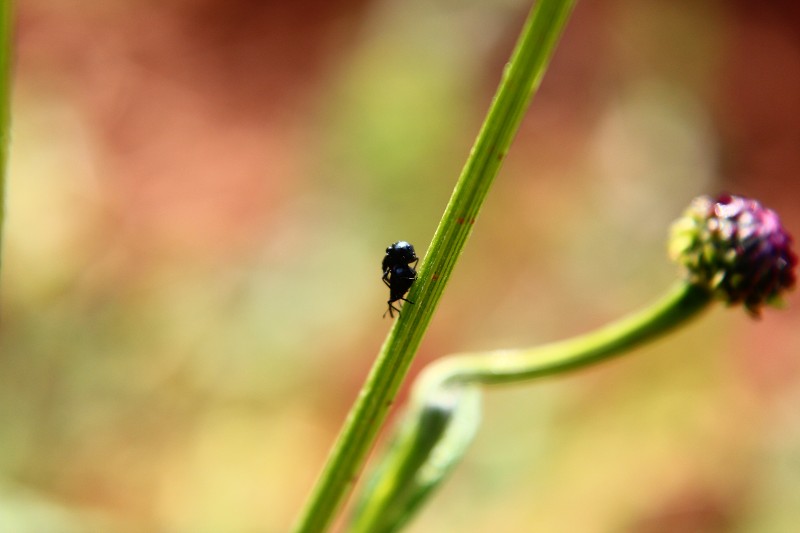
x: 201, y: 193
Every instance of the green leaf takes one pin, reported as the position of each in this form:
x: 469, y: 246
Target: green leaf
x: 431, y: 440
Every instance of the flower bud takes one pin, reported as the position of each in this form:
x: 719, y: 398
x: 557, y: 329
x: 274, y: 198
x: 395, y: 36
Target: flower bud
x: 736, y: 248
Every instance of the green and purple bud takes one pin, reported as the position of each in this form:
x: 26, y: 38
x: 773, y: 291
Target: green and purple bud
x: 736, y: 248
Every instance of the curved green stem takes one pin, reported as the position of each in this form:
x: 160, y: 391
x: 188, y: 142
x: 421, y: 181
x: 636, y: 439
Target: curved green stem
x: 521, y: 77
x: 680, y: 304
x: 419, y: 459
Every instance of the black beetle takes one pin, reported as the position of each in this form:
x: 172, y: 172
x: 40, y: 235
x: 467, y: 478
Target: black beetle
x: 398, y: 274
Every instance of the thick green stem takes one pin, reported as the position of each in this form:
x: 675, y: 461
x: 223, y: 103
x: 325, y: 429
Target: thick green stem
x: 5, y: 104
x: 521, y: 78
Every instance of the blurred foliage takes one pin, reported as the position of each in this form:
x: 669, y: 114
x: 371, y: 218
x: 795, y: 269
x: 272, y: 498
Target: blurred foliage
x: 199, y: 197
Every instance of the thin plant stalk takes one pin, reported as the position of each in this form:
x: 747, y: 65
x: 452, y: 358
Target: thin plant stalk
x: 5, y: 104
x: 521, y: 78
x: 683, y: 302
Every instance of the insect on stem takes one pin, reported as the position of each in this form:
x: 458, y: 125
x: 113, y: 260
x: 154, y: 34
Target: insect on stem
x: 398, y: 274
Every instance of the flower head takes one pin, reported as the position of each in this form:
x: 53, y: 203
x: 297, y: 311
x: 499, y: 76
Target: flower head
x: 735, y: 247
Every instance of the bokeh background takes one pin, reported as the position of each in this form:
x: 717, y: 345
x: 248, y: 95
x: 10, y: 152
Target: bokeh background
x: 200, y: 195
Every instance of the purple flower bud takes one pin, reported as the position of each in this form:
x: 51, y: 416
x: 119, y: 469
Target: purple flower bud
x: 735, y: 247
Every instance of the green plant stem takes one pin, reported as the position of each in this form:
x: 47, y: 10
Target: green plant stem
x: 521, y: 77
x: 5, y: 104
x: 683, y: 302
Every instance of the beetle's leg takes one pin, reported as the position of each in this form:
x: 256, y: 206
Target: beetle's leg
x: 391, y: 307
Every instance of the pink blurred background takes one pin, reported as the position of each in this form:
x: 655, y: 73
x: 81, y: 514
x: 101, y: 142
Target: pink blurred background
x: 199, y: 198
